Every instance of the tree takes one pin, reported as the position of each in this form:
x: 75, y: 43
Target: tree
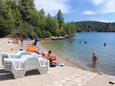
x: 69, y: 28
x: 26, y: 29
x: 60, y: 19
x: 52, y: 25
x: 25, y: 7
x: 7, y: 20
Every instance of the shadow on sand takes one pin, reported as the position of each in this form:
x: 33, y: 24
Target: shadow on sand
x: 4, y: 75
x: 33, y: 72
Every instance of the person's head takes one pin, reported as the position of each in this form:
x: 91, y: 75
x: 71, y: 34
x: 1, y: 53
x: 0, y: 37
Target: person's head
x: 94, y: 53
x: 49, y: 52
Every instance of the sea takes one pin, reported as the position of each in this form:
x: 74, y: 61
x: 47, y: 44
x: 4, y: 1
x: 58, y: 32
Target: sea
x: 81, y: 47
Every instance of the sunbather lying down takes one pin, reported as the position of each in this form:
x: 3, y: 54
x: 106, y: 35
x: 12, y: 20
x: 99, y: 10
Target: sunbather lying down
x: 31, y: 48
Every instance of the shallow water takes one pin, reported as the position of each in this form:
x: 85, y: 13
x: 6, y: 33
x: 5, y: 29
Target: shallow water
x: 80, y: 48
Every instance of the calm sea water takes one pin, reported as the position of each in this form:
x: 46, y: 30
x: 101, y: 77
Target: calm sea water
x: 80, y: 48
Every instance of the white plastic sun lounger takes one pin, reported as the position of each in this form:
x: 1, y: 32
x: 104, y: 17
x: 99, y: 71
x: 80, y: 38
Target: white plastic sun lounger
x: 21, y: 62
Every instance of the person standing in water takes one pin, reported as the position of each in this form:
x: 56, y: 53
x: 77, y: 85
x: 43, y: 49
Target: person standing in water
x: 94, y: 59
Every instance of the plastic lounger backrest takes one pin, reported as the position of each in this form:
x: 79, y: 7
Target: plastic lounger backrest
x: 4, y: 55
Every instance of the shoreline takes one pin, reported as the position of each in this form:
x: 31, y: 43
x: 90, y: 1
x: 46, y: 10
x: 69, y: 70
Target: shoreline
x: 60, y: 59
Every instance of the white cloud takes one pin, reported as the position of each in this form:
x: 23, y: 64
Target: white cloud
x: 98, y: 2
x: 88, y: 12
x: 104, y: 6
x: 109, y: 7
x: 52, y: 6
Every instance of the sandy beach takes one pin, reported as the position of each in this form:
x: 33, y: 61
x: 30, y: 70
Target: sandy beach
x: 69, y: 75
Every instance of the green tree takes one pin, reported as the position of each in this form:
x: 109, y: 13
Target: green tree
x: 25, y: 7
x: 7, y: 20
x: 26, y: 29
x: 60, y: 19
x: 69, y: 28
x: 52, y: 25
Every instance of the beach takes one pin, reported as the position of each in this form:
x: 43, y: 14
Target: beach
x: 69, y: 75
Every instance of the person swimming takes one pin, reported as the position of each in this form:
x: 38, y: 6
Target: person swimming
x: 71, y: 41
x: 79, y: 42
x: 85, y: 42
x: 104, y: 44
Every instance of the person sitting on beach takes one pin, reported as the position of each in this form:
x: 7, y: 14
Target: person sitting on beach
x: 94, y: 59
x: 53, y: 61
x: 44, y: 54
x: 51, y: 58
x: 31, y: 48
x: 49, y: 54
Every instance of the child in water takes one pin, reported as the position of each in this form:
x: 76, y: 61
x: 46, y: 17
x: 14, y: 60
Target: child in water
x: 94, y: 59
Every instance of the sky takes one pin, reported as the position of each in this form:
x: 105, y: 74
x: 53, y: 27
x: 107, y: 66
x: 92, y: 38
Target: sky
x: 80, y: 10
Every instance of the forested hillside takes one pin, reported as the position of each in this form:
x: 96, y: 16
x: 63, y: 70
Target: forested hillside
x: 94, y: 26
x: 21, y: 17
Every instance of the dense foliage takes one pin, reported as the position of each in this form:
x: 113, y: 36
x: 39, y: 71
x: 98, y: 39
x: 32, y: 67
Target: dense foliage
x: 20, y: 16
x: 94, y: 26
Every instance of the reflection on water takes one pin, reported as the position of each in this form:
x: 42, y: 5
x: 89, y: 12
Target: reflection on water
x: 82, y: 46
